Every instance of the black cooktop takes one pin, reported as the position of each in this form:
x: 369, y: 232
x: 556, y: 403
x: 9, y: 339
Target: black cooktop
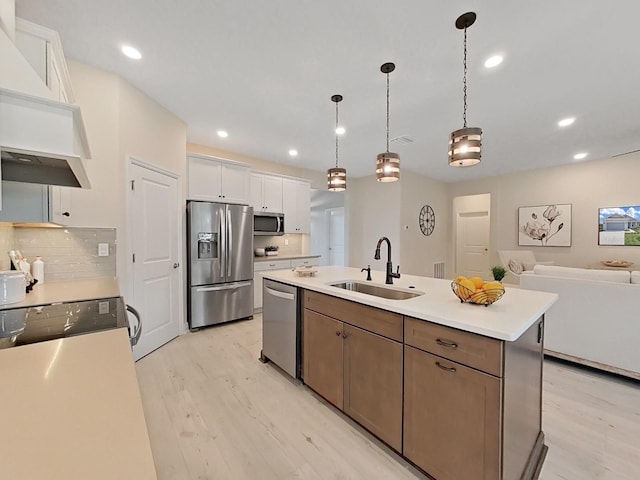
x: 60, y: 320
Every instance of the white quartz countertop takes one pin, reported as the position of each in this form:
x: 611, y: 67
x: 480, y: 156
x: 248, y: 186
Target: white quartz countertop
x: 506, y: 319
x: 71, y: 410
x: 71, y: 291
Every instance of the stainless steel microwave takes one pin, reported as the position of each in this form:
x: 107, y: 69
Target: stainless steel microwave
x: 268, y: 223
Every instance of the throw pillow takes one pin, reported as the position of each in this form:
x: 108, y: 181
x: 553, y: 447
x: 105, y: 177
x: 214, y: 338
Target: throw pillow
x: 515, y: 266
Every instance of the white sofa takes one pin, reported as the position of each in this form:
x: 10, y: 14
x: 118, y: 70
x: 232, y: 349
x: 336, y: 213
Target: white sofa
x: 517, y: 262
x: 596, y: 320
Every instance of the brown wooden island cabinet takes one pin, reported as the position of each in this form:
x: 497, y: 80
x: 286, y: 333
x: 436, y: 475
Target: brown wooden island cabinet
x: 457, y: 404
x: 352, y: 356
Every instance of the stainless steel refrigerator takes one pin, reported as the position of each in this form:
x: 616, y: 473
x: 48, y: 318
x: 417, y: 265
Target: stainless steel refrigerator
x: 220, y: 263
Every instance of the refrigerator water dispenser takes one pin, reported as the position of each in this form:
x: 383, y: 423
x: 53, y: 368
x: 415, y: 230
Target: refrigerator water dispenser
x: 207, y: 245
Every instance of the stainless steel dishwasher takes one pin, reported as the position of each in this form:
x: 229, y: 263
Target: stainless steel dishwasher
x: 280, y: 326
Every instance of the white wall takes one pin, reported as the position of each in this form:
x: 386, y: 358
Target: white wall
x: 371, y: 212
x: 420, y: 252
x: 96, y: 91
x: 587, y: 186
x: 8, y: 18
x: 120, y: 121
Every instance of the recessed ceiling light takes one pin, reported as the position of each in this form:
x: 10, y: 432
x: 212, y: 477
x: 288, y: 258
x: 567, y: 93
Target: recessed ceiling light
x: 493, y: 61
x: 565, y: 122
x: 580, y: 156
x: 340, y: 130
x: 293, y: 152
x: 222, y: 134
x: 131, y: 52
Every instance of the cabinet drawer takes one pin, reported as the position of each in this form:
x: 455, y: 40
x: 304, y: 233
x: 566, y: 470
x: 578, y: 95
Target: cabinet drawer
x: 271, y: 265
x: 305, y: 262
x: 372, y: 319
x: 470, y: 349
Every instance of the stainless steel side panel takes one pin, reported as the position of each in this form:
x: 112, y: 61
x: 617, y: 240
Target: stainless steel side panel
x: 212, y: 304
x: 279, y: 324
x: 239, y: 242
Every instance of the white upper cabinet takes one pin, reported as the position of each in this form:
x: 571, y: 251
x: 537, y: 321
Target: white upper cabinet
x: 42, y: 48
x: 296, y: 203
x: 217, y: 180
x: 266, y: 193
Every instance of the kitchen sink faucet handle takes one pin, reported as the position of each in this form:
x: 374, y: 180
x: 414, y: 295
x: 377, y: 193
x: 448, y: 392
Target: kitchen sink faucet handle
x: 368, y: 270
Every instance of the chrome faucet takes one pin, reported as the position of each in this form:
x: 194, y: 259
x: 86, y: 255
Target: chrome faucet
x: 390, y: 275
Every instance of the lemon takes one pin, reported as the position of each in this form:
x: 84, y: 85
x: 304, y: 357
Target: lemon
x: 493, y: 290
x: 459, y: 278
x: 480, y: 296
x: 469, y: 288
x: 477, y: 281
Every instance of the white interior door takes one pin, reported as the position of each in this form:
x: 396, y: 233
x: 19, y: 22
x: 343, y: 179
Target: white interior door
x: 472, y: 252
x: 336, y: 236
x: 154, y: 225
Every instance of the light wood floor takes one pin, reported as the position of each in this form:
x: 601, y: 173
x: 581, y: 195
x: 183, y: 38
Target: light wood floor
x: 215, y: 412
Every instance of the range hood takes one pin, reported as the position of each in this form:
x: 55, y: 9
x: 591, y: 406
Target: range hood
x: 42, y: 140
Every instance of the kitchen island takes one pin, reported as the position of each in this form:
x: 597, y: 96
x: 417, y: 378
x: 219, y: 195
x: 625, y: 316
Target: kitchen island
x: 454, y: 388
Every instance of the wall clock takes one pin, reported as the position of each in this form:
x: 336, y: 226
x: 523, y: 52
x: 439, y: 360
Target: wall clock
x: 427, y: 220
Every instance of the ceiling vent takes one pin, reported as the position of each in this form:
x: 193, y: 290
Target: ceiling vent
x: 403, y: 140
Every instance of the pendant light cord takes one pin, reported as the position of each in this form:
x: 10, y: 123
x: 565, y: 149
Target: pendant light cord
x: 464, y: 80
x: 387, y: 113
x: 336, y: 131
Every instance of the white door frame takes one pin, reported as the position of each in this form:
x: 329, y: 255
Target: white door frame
x: 132, y: 160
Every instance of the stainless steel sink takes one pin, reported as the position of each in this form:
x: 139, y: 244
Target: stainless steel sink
x: 376, y: 290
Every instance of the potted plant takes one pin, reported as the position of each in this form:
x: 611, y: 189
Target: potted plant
x: 498, y: 273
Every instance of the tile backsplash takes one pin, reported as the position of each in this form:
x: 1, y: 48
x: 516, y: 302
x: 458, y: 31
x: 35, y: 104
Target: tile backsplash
x: 67, y: 253
x: 298, y: 243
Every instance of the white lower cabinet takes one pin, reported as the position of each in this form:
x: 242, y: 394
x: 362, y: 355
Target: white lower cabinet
x: 265, y: 266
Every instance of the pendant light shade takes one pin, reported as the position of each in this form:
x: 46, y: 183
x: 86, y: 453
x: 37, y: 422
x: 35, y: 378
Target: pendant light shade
x: 337, y: 177
x: 465, y: 144
x: 465, y: 147
x: 387, y: 167
x: 387, y: 163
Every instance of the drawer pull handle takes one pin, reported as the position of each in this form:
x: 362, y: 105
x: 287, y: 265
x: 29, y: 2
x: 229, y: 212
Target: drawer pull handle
x: 443, y: 343
x: 448, y: 369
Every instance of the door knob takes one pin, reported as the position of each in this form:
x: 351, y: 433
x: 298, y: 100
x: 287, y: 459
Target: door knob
x: 176, y: 265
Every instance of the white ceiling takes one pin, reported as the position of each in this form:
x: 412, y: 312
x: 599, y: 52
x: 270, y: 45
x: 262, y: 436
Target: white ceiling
x: 265, y: 71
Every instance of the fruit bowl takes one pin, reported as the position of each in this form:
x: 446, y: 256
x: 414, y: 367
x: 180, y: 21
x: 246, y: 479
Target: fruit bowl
x: 479, y: 297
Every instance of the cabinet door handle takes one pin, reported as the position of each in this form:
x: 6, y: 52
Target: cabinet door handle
x: 445, y: 368
x: 66, y: 214
x: 338, y: 333
x: 344, y: 335
x: 446, y: 344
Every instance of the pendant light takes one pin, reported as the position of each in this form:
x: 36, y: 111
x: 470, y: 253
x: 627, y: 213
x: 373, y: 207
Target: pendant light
x: 388, y: 163
x: 465, y: 144
x: 337, y: 177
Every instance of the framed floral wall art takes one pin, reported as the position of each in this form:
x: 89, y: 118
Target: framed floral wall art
x: 545, y: 225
